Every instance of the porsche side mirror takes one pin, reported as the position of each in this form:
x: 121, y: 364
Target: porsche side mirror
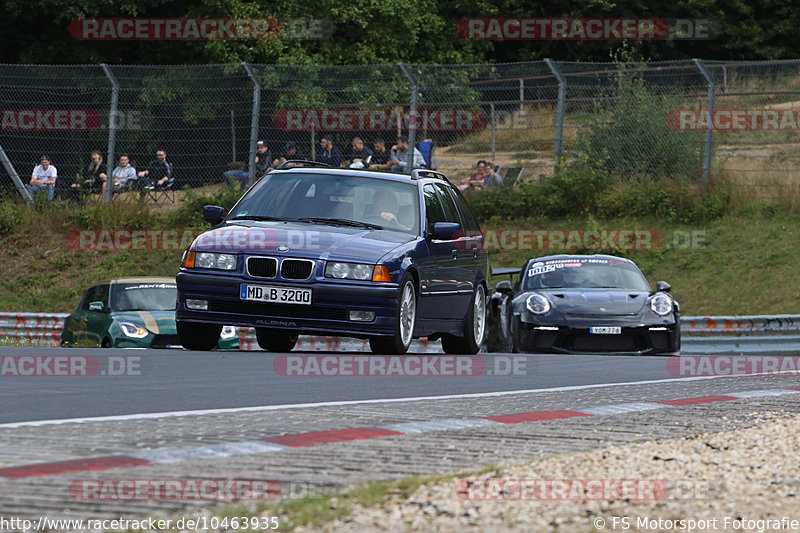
x: 663, y: 286
x: 504, y: 287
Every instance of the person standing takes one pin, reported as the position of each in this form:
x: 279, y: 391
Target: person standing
x: 43, y: 179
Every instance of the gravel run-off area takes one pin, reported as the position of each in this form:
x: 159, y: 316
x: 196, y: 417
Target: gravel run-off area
x: 739, y: 480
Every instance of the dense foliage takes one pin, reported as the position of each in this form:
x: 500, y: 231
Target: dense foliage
x: 380, y: 31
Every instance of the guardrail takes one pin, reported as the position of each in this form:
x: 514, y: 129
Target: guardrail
x: 41, y: 329
x: 710, y: 335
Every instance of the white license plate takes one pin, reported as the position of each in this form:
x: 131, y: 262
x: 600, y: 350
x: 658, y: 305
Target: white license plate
x: 275, y: 294
x: 606, y: 330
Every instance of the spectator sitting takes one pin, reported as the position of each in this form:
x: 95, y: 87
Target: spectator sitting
x: 94, y: 179
x: 359, y: 154
x: 380, y: 157
x: 43, y: 179
x: 330, y: 153
x: 290, y: 154
x: 491, y: 176
x: 157, y: 173
x: 236, y: 171
x: 123, y: 175
x: 476, y: 180
x: 400, y: 156
x: 263, y: 159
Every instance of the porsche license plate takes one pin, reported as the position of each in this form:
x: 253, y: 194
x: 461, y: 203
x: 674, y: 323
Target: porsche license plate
x: 605, y: 330
x: 275, y: 294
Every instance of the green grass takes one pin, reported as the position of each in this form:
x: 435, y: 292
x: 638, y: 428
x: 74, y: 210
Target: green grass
x: 738, y: 265
x: 315, y: 510
x: 742, y: 264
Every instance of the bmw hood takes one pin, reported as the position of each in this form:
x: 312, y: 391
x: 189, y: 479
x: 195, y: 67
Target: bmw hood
x: 302, y: 240
x: 594, y: 302
x: 157, y: 322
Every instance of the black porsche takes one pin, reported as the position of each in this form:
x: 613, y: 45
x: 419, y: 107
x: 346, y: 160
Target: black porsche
x: 582, y: 304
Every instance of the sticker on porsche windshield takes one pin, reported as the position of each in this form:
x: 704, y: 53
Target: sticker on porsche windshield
x: 540, y: 268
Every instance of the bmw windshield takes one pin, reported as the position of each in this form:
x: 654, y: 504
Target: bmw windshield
x: 573, y: 273
x: 316, y: 198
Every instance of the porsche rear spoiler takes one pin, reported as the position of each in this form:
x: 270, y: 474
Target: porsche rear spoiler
x: 509, y: 271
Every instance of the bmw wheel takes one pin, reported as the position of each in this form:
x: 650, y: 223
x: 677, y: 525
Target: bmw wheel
x: 202, y: 337
x: 404, y: 322
x: 474, y: 327
x: 276, y: 340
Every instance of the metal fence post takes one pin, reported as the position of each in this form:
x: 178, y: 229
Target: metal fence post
x: 251, y: 169
x: 709, y: 138
x: 14, y: 176
x: 562, y: 96
x: 494, y: 127
x: 112, y: 130
x: 412, y: 116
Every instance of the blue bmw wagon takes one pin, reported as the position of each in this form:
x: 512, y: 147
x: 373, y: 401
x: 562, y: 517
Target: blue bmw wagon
x: 317, y: 250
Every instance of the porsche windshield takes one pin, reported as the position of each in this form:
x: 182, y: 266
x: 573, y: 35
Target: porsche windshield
x: 574, y: 273
x: 144, y: 297
x: 356, y: 201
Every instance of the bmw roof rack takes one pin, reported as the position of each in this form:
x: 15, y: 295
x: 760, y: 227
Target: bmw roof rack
x: 418, y: 173
x: 302, y: 163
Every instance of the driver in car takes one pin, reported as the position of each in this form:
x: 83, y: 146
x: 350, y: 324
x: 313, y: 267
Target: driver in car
x: 385, y: 203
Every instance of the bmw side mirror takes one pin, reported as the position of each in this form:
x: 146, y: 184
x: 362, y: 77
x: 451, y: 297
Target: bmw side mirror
x: 444, y: 231
x: 663, y: 286
x: 97, y: 306
x: 504, y: 287
x: 213, y: 214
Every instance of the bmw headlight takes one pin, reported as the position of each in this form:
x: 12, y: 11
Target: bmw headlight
x: 339, y: 270
x: 537, y: 304
x: 661, y: 304
x: 133, y: 330
x: 214, y: 260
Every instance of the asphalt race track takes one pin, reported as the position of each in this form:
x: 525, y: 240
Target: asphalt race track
x: 170, y: 380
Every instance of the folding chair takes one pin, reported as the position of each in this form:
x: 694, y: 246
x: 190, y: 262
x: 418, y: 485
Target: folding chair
x: 160, y: 194
x: 426, y: 148
x: 513, y: 176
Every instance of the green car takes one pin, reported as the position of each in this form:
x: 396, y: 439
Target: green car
x: 131, y: 313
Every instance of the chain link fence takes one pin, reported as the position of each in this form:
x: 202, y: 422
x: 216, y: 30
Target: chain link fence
x: 683, y: 120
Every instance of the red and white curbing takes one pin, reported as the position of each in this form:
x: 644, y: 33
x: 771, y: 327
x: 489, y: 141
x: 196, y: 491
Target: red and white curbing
x: 315, y: 438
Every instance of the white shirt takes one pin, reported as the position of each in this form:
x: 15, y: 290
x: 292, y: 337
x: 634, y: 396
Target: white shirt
x: 41, y: 174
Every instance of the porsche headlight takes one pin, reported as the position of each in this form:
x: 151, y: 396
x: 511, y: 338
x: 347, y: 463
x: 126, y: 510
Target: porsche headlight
x: 228, y: 332
x: 661, y: 304
x: 216, y: 261
x: 335, y: 269
x: 133, y: 330
x: 537, y: 304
